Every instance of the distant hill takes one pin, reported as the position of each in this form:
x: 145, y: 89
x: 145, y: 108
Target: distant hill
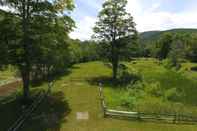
x: 146, y: 37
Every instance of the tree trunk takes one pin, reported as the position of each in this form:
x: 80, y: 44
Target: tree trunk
x: 26, y: 79
x: 115, y: 69
x: 115, y: 61
x: 25, y: 68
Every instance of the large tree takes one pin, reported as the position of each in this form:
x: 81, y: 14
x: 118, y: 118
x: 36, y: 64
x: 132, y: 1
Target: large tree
x: 116, y: 29
x: 164, y: 44
x: 36, y: 19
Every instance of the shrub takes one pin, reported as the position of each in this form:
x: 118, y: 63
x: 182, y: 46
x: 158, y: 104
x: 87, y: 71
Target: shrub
x: 155, y: 106
x: 167, y: 63
x: 128, y: 101
x: 128, y: 75
x: 155, y: 89
x: 172, y: 94
x: 139, y: 85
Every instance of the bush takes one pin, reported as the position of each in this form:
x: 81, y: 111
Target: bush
x: 155, y: 106
x: 155, y: 89
x: 128, y: 101
x: 171, y: 63
x: 167, y: 63
x: 172, y: 94
x: 139, y: 85
x: 128, y: 75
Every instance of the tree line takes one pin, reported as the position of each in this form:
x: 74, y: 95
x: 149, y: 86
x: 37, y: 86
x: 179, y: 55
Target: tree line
x: 175, y: 47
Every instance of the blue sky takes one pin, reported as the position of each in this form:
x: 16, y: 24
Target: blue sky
x: 148, y: 15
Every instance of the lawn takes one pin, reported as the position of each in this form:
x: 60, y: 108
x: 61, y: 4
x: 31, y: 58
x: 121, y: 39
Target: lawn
x: 78, y: 92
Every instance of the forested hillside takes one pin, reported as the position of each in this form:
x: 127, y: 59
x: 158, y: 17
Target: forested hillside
x: 149, y: 36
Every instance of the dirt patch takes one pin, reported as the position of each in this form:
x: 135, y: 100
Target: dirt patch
x: 9, y: 88
x: 82, y: 115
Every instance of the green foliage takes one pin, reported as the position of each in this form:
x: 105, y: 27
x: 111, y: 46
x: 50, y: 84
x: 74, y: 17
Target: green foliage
x: 172, y: 94
x: 128, y: 75
x: 164, y: 45
x: 176, y: 45
x: 192, y: 50
x: 34, y: 37
x: 154, y: 89
x: 128, y: 101
x: 116, y: 31
x: 167, y: 63
x: 83, y: 51
x: 161, y: 90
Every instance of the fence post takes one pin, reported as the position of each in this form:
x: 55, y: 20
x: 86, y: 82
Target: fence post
x: 102, y: 100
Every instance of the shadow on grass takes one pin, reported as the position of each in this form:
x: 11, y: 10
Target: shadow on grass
x: 50, y: 114
x: 194, y: 68
x: 104, y: 80
x: 109, y: 82
x: 10, y: 110
x: 53, y: 77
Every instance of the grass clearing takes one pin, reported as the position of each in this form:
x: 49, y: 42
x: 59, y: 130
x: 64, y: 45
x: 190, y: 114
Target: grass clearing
x: 76, y: 92
x: 162, y: 90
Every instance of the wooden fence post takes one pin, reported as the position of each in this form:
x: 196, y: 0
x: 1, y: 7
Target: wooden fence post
x: 102, y: 100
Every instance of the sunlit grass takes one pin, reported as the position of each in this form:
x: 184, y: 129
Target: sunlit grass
x: 80, y: 94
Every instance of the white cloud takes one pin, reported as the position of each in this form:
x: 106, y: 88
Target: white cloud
x: 147, y: 17
x: 151, y: 18
x: 84, y: 28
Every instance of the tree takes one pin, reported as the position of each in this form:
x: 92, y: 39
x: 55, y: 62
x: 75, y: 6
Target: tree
x: 177, y: 52
x: 192, y: 50
x: 35, y: 18
x: 164, y: 45
x: 116, y: 30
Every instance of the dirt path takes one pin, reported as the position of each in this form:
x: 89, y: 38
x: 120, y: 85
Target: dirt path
x: 9, y: 88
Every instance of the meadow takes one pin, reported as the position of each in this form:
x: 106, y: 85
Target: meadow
x: 160, y: 90
x: 77, y: 91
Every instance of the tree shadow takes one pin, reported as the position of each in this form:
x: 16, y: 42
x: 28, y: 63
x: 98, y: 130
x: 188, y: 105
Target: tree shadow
x: 107, y: 81
x: 50, y: 114
x: 10, y: 110
x: 53, y: 77
x: 194, y: 68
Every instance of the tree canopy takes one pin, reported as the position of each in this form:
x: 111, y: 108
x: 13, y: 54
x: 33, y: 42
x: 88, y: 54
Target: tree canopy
x: 34, y: 32
x: 116, y: 30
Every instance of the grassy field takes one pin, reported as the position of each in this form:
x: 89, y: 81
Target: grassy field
x: 78, y: 92
x: 161, y: 90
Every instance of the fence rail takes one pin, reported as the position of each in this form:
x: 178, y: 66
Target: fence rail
x: 173, y: 118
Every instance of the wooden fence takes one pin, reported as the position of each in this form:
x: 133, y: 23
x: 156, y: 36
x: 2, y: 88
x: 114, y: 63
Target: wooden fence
x: 171, y: 118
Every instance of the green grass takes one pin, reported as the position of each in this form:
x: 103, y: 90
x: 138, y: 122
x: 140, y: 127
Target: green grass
x: 78, y: 92
x: 163, y: 90
x: 7, y: 74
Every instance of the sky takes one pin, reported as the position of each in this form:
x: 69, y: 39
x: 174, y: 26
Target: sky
x: 148, y: 15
